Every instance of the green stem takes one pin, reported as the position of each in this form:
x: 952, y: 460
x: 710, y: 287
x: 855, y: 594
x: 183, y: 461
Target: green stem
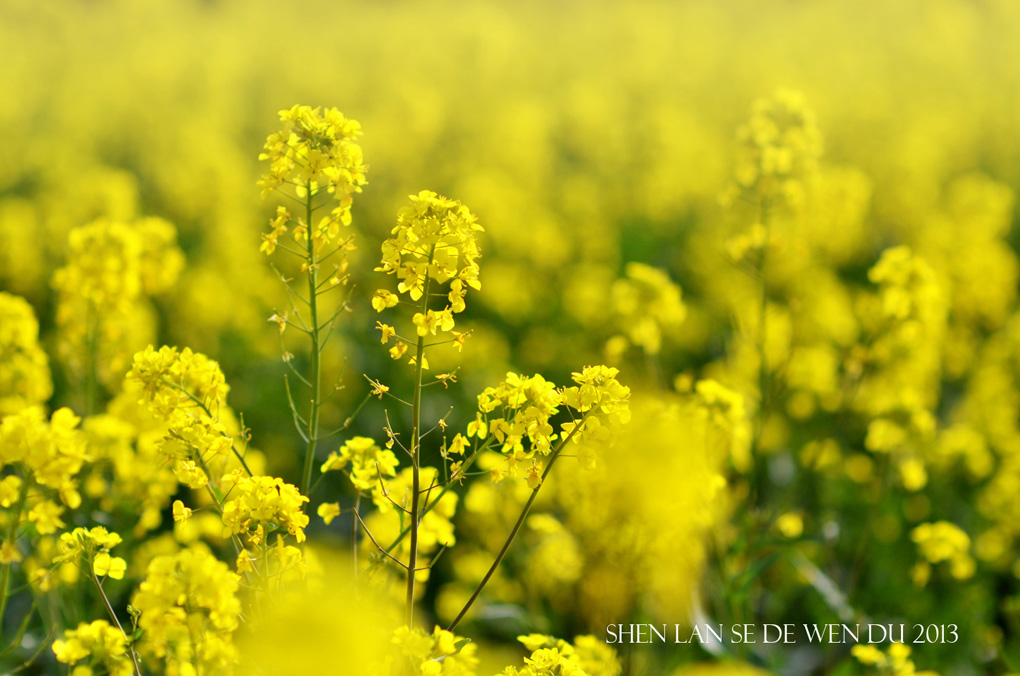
x: 520, y: 521
x: 354, y: 535
x: 763, y: 368
x: 91, y: 349
x: 412, y: 560
x: 758, y: 466
x: 12, y: 535
x: 428, y: 507
x: 113, y: 616
x: 313, y: 306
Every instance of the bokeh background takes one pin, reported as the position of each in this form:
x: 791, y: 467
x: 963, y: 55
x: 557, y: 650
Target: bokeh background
x: 587, y: 137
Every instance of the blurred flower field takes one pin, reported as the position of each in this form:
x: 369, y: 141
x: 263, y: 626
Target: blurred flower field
x: 438, y: 337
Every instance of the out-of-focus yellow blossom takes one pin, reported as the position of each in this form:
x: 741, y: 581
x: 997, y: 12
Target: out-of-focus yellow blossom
x: 895, y: 661
x: 129, y: 475
x: 43, y: 572
x: 791, y: 524
x: 188, y: 612
x: 53, y: 451
x: 728, y: 429
x: 295, y: 626
x: 101, y: 310
x: 943, y: 542
x: 901, y: 373
x: 778, y: 146
x: 24, y: 367
x: 328, y: 511
x: 555, y: 657
x: 367, y: 462
x: 180, y: 512
x: 39, y: 454
x: 646, y: 304
x: 99, y: 645
x: 440, y: 653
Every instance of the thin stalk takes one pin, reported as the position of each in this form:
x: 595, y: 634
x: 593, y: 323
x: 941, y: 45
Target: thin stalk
x: 12, y: 536
x: 316, y: 379
x: 412, y: 560
x: 354, y: 535
x: 763, y: 367
x: 91, y: 348
x: 520, y: 522
x: 430, y: 505
x: 113, y: 616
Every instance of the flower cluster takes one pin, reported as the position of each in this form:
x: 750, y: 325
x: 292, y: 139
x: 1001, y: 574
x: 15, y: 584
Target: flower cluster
x: 315, y: 149
x: 895, y: 661
x: 555, y: 657
x: 435, y: 240
x: 172, y: 379
x: 259, y: 505
x: 942, y: 542
x: 188, y: 612
x: 440, y: 653
x: 44, y: 453
x: 96, y: 645
x: 92, y: 546
x: 646, y: 304
x: 602, y: 401
x: 367, y: 462
x: 778, y: 146
x: 521, y: 408
x: 24, y: 368
x: 518, y: 413
x: 189, y: 391
x: 112, y: 267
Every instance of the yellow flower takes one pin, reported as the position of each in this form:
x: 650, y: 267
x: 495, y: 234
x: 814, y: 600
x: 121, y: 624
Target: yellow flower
x: 24, y: 367
x: 188, y: 611
x: 945, y: 542
x: 46, y: 517
x: 103, y: 644
x: 384, y: 299
x: 329, y: 511
x: 387, y: 332
x: 791, y: 524
x: 315, y: 147
x: 111, y: 566
x: 257, y: 500
x: 181, y: 513
x: 367, y: 461
x: 435, y: 238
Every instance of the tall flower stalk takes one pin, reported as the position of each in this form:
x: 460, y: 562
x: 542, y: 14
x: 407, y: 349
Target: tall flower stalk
x: 314, y: 160
x: 435, y: 242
